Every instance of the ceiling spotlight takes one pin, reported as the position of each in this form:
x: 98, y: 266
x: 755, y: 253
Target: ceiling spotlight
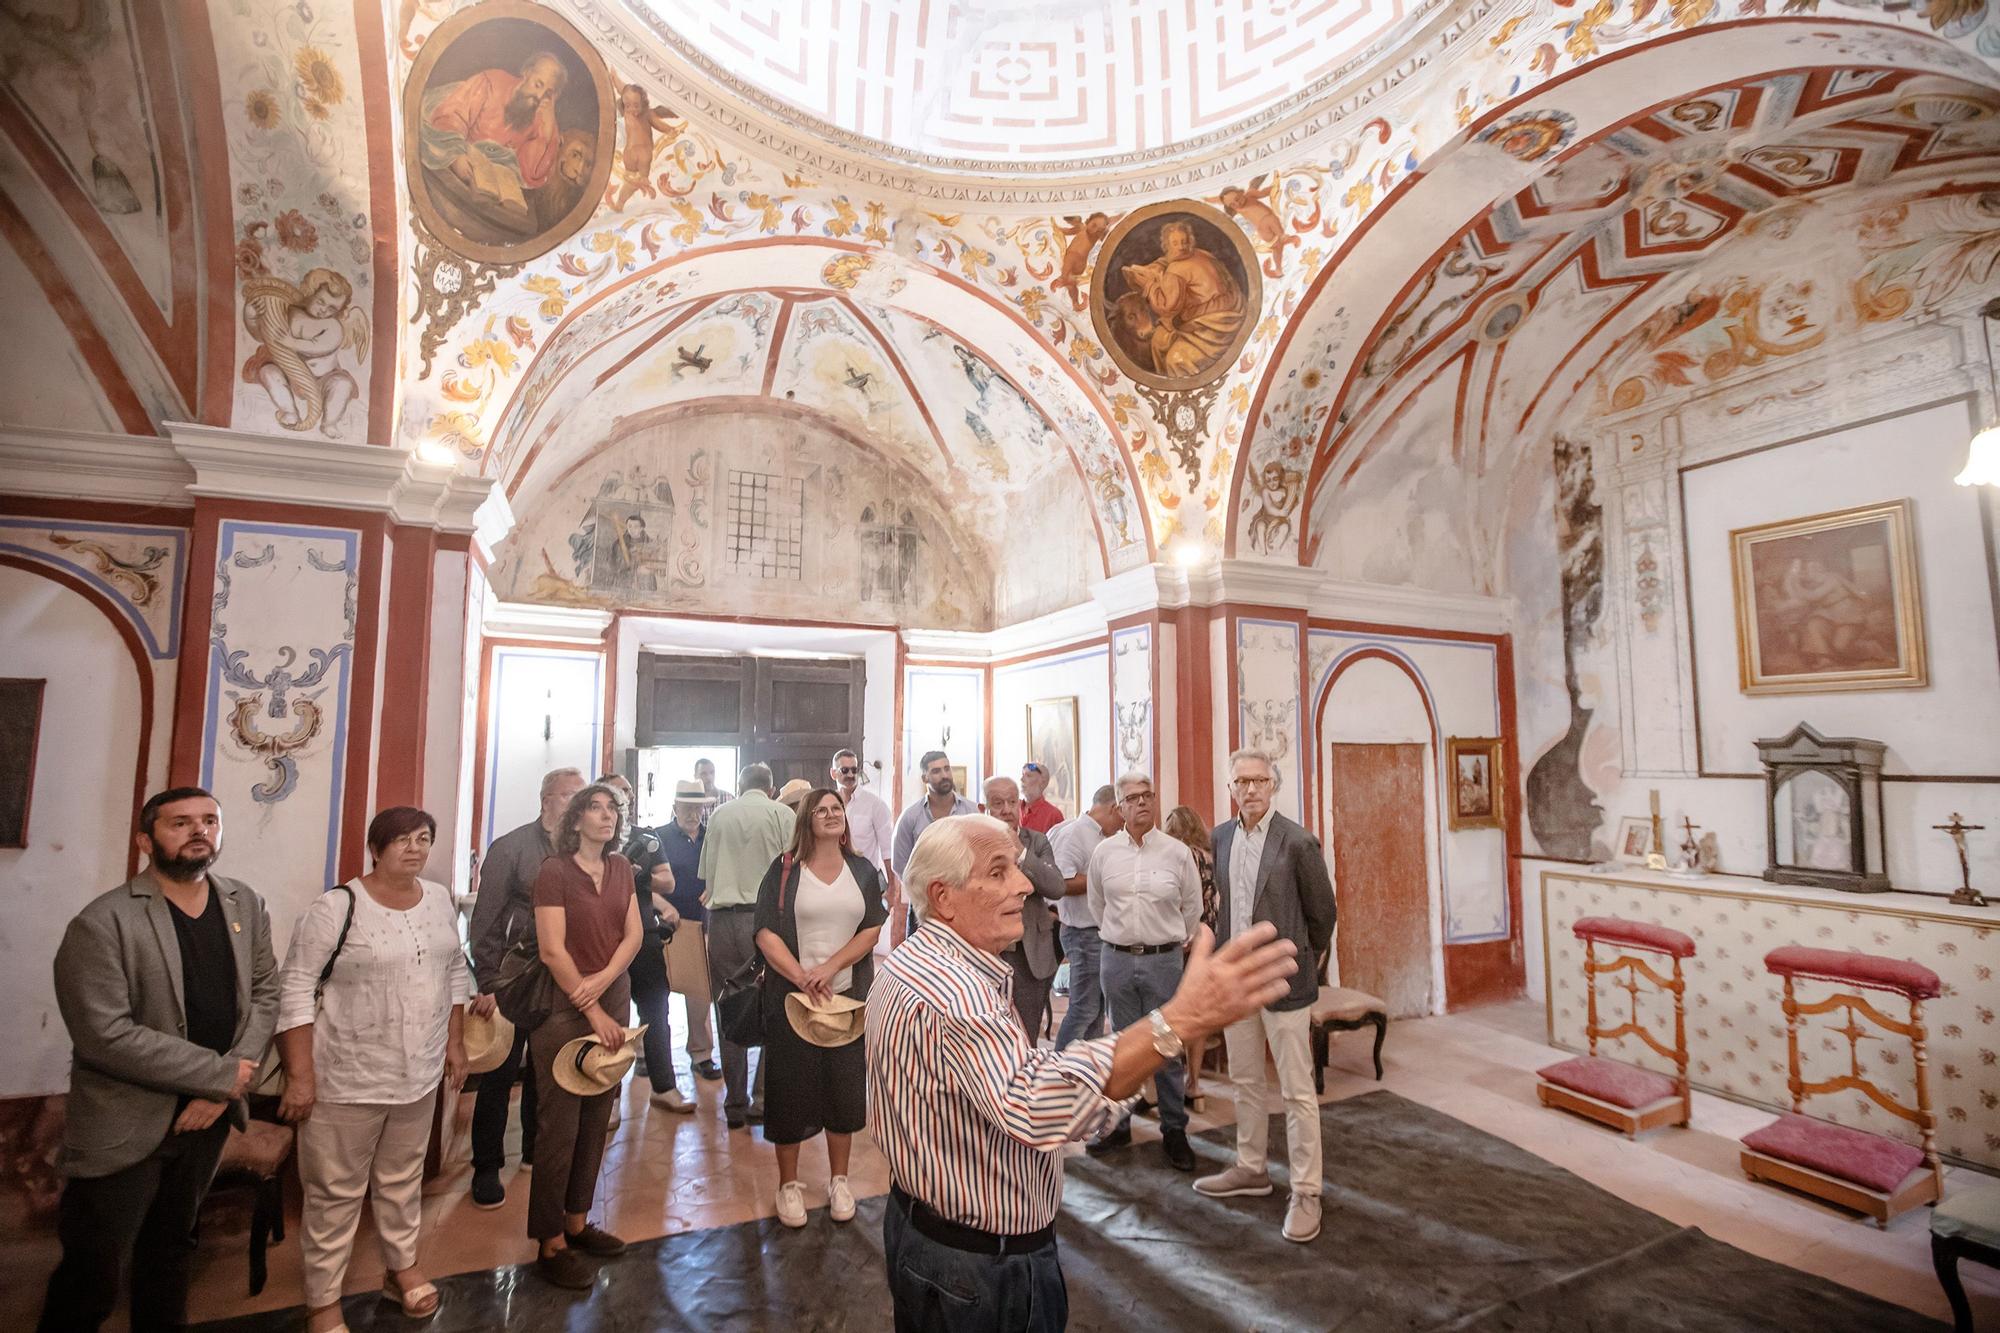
x: 1189, y: 553
x: 436, y: 451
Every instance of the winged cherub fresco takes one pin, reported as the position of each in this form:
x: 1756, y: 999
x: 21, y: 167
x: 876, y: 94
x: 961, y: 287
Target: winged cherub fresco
x: 300, y: 332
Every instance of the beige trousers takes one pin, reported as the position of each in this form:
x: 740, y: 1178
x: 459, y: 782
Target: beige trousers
x: 687, y: 975
x: 1289, y: 1035
x: 346, y: 1151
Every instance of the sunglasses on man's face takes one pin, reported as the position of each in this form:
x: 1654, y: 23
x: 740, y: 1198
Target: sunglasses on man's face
x: 847, y: 770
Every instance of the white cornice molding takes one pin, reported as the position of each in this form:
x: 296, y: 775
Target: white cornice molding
x: 558, y: 626
x: 91, y: 465
x: 1258, y: 583
x: 1416, y: 608
x: 1056, y: 630
x: 694, y: 85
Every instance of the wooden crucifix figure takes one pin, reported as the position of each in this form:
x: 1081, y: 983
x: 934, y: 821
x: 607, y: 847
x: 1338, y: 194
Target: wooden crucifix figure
x: 1965, y: 895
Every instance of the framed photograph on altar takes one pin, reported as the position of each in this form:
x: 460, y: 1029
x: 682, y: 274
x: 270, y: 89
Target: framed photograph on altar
x: 1053, y: 743
x: 1635, y: 839
x: 1829, y: 603
x: 1472, y: 764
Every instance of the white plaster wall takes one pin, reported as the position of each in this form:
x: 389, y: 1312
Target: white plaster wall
x: 1085, y: 674
x: 944, y: 708
x: 48, y: 383
x: 78, y: 829
x: 545, y: 710
x: 446, y: 730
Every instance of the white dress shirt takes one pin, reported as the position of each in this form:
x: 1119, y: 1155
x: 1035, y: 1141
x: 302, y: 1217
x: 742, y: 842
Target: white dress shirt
x: 383, y: 1020
x: 1146, y: 891
x: 1073, y: 841
x: 870, y: 827
x: 1246, y: 857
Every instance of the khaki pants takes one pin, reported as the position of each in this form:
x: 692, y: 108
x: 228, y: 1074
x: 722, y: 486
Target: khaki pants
x: 346, y: 1151
x: 687, y: 974
x: 1289, y: 1034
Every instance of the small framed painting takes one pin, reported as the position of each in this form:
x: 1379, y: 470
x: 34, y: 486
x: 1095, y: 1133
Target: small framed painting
x: 1635, y: 839
x: 1473, y: 766
x: 1053, y: 743
x: 1829, y: 602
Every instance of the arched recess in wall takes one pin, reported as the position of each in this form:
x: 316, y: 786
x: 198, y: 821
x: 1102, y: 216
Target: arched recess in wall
x: 1374, y: 698
x: 90, y: 774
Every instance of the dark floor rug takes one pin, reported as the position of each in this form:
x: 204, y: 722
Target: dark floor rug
x: 1430, y: 1224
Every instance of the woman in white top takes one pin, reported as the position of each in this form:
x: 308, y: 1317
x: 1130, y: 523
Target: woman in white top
x: 819, y: 910
x: 364, y: 1059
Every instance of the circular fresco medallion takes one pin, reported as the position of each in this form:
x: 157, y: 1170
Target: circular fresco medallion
x: 1496, y: 321
x: 1175, y: 294
x: 509, y: 131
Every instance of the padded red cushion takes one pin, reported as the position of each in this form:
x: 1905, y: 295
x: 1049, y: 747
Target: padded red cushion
x: 1862, y: 969
x: 1640, y: 934
x: 1610, y: 1081
x: 1855, y: 1155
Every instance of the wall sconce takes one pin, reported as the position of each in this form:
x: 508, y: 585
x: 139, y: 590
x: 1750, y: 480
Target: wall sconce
x: 1982, y: 457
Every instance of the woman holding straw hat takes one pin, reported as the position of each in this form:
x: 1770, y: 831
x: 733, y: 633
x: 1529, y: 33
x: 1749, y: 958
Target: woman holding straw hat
x: 588, y: 931
x: 371, y: 1003
x: 819, y: 910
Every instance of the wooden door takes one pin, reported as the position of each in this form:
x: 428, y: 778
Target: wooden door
x: 790, y: 713
x: 1380, y: 879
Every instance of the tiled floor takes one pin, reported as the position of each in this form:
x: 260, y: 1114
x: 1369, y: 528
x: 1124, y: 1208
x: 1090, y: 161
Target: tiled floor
x: 668, y: 1173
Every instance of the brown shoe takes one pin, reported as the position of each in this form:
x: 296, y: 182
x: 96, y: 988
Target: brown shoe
x: 594, y: 1240
x: 566, y: 1269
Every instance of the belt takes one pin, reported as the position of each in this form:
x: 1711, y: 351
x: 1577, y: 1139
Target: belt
x: 735, y: 907
x: 1143, y: 949
x: 970, y: 1240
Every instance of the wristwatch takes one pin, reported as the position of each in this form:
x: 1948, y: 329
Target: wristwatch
x: 1165, y: 1040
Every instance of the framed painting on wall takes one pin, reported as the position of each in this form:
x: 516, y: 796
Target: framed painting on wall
x: 1635, y: 839
x: 1052, y: 743
x: 20, y: 736
x: 1829, y: 602
x: 1473, y: 766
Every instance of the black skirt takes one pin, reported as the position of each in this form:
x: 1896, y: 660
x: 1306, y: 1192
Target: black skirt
x: 808, y: 1088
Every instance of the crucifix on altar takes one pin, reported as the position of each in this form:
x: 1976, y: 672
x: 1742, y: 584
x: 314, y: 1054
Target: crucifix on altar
x: 1964, y: 895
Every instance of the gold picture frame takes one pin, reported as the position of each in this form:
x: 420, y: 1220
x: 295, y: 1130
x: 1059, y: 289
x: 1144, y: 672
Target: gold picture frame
x: 1053, y: 742
x: 1476, y: 777
x: 1829, y: 603
x: 1151, y: 343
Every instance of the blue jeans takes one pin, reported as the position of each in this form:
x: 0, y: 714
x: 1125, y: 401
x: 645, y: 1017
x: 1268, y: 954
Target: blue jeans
x: 1135, y: 985
x: 938, y: 1289
x: 1085, y: 1016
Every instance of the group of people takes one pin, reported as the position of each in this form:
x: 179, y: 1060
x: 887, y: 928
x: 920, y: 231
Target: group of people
x: 177, y: 1008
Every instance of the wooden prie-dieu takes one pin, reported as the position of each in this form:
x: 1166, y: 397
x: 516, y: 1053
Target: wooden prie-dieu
x: 1612, y: 1092
x: 1870, y: 1173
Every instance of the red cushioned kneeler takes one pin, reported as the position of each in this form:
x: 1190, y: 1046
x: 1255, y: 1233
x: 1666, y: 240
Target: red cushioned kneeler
x: 1612, y: 1092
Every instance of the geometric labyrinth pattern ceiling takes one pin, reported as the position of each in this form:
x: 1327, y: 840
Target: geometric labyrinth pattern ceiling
x: 1008, y: 80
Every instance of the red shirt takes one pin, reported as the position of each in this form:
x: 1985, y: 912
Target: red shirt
x: 1041, y: 815
x: 593, y: 918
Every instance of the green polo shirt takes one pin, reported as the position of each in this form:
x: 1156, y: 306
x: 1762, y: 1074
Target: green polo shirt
x: 744, y: 837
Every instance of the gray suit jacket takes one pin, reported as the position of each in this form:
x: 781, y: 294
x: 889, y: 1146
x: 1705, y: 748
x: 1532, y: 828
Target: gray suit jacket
x: 1038, y: 917
x: 119, y: 986
x: 1293, y: 892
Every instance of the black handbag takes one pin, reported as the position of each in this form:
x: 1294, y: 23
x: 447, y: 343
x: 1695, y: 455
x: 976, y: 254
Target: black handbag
x: 739, y: 1005
x: 525, y: 990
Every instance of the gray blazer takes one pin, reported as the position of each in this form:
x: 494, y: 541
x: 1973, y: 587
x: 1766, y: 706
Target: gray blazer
x: 1038, y: 918
x: 119, y: 986
x: 1293, y: 892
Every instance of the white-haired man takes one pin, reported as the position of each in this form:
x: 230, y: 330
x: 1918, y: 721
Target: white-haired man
x: 1268, y: 869
x: 1034, y: 957
x: 972, y: 1119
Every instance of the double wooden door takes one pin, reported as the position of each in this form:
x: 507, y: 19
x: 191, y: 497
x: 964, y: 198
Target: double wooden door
x: 790, y: 713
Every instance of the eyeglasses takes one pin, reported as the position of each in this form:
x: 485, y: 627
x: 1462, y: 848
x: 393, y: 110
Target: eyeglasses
x: 1138, y: 798
x: 847, y: 770
x: 1252, y: 783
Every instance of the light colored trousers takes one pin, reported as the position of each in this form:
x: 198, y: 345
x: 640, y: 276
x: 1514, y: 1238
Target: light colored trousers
x: 687, y: 975
x: 1289, y: 1034
x: 347, y: 1150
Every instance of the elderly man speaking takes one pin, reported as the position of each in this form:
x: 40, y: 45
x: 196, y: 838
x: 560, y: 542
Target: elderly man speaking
x: 972, y: 1118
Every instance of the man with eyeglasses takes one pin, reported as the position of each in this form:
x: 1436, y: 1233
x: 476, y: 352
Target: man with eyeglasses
x: 870, y: 826
x: 1145, y: 892
x: 1268, y: 868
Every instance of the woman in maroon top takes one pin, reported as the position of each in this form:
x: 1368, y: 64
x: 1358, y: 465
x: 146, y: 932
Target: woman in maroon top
x: 587, y: 927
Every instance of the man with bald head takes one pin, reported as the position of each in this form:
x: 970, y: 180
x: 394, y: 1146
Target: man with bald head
x: 1033, y: 958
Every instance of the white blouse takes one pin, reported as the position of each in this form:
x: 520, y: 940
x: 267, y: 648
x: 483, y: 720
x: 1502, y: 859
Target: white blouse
x: 827, y: 917
x: 385, y: 1015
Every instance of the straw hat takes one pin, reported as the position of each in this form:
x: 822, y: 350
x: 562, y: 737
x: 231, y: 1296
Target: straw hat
x: 835, y: 1021
x: 585, y: 1068
x: 488, y: 1039
x: 795, y: 791
x: 687, y: 789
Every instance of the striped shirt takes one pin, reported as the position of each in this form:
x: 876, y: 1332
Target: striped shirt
x: 972, y: 1119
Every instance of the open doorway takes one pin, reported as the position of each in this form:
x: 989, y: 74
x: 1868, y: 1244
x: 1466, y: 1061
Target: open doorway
x: 656, y: 769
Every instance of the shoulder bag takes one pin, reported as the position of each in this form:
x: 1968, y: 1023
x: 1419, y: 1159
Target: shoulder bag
x: 271, y: 1075
x: 739, y: 1005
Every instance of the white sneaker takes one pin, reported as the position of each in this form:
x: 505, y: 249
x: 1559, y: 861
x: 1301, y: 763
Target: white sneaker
x: 840, y: 1200
x: 1302, y: 1218
x: 792, y: 1204
x: 1234, y: 1182
x: 674, y: 1100
x: 617, y: 1113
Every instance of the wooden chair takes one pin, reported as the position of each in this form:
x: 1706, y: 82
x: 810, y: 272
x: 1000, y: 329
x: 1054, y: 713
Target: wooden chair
x: 1965, y: 1226
x: 1869, y: 1173
x: 255, y: 1160
x: 1611, y: 1092
x: 1344, y: 1009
